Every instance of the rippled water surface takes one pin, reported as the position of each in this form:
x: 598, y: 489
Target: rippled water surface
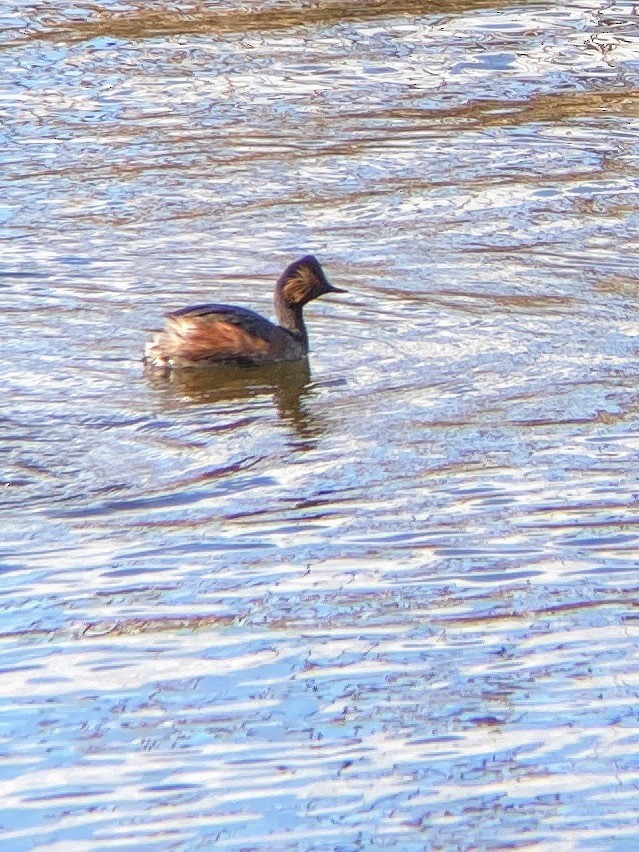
x: 386, y: 600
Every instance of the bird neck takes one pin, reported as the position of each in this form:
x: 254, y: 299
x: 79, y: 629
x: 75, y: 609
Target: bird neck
x: 291, y: 319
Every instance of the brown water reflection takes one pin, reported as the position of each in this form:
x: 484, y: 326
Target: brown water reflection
x: 388, y: 598
x: 195, y: 18
x: 287, y: 385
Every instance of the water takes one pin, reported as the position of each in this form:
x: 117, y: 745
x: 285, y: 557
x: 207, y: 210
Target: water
x: 385, y: 601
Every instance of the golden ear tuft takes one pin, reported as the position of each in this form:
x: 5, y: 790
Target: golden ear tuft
x: 299, y: 288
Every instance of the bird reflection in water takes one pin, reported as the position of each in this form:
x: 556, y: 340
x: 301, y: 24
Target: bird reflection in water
x: 289, y: 385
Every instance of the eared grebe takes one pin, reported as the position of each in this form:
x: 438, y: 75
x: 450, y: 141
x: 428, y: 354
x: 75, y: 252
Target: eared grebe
x: 210, y: 334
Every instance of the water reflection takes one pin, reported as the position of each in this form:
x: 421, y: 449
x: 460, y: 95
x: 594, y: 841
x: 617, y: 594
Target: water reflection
x: 286, y: 386
x: 138, y: 21
x: 390, y: 604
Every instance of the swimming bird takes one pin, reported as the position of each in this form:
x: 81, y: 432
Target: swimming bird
x: 209, y: 334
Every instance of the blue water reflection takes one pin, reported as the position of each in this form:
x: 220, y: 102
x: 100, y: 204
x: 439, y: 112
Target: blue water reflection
x: 388, y: 600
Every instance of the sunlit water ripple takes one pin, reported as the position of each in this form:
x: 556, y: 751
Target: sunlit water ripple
x: 389, y: 600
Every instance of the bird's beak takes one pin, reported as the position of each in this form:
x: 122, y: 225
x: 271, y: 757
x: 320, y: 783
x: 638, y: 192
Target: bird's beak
x: 331, y: 289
